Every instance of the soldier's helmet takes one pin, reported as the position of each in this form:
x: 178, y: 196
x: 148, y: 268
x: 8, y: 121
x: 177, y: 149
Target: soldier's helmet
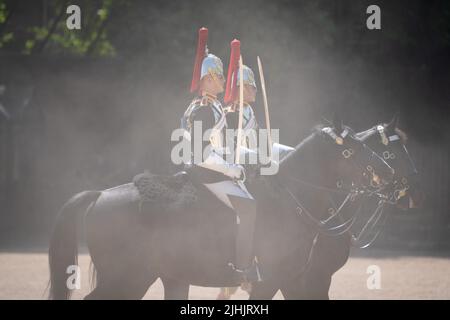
x: 248, y: 75
x: 233, y: 78
x: 205, y: 63
x: 211, y: 65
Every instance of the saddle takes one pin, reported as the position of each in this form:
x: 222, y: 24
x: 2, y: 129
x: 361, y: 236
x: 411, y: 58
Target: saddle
x: 171, y: 193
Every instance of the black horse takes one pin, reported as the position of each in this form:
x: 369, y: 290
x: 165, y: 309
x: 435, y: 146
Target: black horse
x: 131, y: 246
x: 331, y: 252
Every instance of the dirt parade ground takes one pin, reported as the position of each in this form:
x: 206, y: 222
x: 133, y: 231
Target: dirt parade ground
x: 24, y: 275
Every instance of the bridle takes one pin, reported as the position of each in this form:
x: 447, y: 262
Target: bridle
x: 352, y: 192
x: 400, y: 186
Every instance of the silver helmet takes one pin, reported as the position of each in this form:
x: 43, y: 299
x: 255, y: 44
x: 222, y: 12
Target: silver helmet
x: 249, y: 76
x: 211, y: 64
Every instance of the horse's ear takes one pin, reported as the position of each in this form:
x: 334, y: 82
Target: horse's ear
x: 393, y: 123
x: 337, y: 122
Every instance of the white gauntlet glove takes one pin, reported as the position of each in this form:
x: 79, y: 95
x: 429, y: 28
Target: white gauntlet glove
x: 216, y: 163
x: 234, y: 171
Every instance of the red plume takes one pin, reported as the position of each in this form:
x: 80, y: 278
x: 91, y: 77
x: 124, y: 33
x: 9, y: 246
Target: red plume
x: 231, y: 87
x: 201, y: 51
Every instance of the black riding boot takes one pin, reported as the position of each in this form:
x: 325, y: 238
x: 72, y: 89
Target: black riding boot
x: 245, y: 267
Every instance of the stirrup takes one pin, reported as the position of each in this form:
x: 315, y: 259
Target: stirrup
x: 250, y: 274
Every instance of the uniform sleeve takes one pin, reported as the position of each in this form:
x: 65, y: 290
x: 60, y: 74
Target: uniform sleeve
x: 205, y: 115
x: 232, y: 120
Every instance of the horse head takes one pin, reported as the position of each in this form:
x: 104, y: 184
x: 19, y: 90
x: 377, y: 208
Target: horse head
x: 388, y: 141
x: 328, y: 174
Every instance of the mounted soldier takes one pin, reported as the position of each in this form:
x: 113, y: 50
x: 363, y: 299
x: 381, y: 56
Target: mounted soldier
x: 249, y: 128
x: 231, y: 99
x: 206, y: 116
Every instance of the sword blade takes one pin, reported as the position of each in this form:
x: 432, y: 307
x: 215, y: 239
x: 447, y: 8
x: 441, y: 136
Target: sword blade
x: 266, y: 105
x: 241, y: 109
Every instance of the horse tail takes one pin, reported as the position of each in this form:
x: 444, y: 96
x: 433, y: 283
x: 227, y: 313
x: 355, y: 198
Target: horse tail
x: 63, y: 250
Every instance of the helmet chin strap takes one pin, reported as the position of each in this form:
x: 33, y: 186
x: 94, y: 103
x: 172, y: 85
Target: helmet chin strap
x: 208, y: 95
x: 215, y: 80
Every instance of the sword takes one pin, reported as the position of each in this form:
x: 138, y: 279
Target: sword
x: 241, y: 110
x: 266, y: 106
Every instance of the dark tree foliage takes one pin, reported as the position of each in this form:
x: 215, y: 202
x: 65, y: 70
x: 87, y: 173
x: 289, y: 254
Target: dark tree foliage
x: 412, y: 29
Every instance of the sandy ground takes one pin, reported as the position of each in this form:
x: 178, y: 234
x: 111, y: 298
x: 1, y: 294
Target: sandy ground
x: 25, y: 275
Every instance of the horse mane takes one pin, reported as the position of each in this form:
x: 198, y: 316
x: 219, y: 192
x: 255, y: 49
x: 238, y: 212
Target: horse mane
x: 316, y: 130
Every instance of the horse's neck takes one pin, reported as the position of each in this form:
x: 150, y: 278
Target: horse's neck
x: 305, y: 160
x: 310, y: 170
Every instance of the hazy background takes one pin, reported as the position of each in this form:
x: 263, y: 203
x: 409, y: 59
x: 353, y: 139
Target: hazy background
x: 90, y: 108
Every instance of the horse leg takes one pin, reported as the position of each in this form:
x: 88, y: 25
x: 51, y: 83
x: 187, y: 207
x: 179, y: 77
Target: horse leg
x: 329, y: 255
x: 175, y: 289
x: 318, y: 286
x: 127, y: 286
x: 225, y: 293
x: 263, y: 291
x: 123, y: 281
x: 313, y: 285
